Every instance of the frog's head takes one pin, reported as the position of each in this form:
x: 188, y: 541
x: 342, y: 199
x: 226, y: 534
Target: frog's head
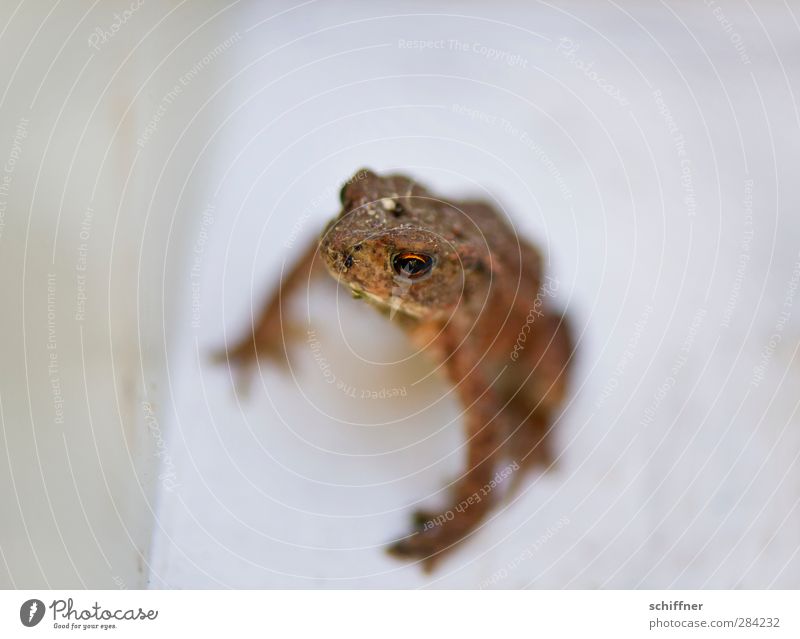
x: 398, y: 246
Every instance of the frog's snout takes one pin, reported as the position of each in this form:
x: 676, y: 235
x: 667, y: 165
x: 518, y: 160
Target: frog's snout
x: 340, y: 261
x: 338, y: 257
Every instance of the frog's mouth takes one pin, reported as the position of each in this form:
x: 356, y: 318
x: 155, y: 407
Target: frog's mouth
x: 396, y: 302
x: 393, y: 305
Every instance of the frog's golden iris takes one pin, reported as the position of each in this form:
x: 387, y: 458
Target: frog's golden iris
x: 412, y: 265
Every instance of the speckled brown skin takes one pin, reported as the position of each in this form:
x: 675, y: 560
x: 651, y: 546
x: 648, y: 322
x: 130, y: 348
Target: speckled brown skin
x: 468, y: 312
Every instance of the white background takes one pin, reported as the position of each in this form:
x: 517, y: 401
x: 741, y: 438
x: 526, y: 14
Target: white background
x: 297, y: 485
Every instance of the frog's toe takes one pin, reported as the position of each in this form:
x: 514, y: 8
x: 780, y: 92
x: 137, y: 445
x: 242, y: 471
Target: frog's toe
x: 411, y: 547
x: 416, y: 547
x: 422, y: 519
x: 401, y: 549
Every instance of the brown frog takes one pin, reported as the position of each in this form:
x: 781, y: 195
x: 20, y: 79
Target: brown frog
x: 471, y: 293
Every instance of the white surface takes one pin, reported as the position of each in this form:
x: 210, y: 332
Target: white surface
x: 77, y: 447
x: 299, y: 486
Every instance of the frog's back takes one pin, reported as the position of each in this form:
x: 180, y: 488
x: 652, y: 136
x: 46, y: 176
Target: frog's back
x: 515, y: 262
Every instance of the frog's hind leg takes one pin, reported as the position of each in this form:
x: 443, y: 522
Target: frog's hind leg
x: 528, y: 442
x: 473, y: 493
x: 531, y: 405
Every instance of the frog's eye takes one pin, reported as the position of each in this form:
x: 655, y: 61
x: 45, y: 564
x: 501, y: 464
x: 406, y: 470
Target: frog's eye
x: 412, y: 265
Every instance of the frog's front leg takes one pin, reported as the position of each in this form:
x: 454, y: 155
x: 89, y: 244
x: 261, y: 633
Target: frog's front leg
x: 267, y: 335
x: 473, y: 493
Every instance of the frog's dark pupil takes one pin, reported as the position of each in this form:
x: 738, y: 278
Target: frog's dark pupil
x: 412, y: 265
x: 348, y: 261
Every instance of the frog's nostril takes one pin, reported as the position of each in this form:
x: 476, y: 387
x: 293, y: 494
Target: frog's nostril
x: 348, y: 261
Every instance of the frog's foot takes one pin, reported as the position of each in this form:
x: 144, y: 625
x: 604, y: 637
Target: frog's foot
x: 265, y: 346
x: 245, y: 353
x: 415, y: 548
x: 435, y: 535
x: 422, y: 546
